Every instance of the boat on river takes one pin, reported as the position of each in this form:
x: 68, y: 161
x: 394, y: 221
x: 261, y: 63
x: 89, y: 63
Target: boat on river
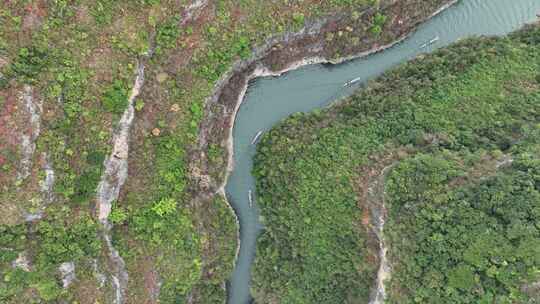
x: 351, y: 82
x: 256, y: 137
x: 432, y: 41
x: 250, y: 197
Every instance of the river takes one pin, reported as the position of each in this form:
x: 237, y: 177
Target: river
x: 271, y: 99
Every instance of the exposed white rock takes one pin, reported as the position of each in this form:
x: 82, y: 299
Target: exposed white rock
x: 112, y: 180
x: 28, y: 145
x: 48, y: 183
x: 194, y: 9
x: 505, y: 161
x: 384, y: 272
x: 116, y: 165
x: 46, y: 189
x: 30, y: 217
x: 67, y: 270
x: 22, y: 261
x: 98, y: 274
x: 119, y: 273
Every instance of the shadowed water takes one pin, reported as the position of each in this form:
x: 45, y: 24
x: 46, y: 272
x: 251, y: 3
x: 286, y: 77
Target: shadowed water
x: 271, y: 99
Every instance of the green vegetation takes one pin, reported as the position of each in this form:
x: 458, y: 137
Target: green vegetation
x: 29, y: 63
x: 115, y: 98
x: 61, y: 238
x: 461, y: 229
x: 79, y: 58
x: 477, y: 242
x: 103, y: 11
x: 378, y: 22
x: 175, y: 106
x: 167, y: 35
x: 61, y: 241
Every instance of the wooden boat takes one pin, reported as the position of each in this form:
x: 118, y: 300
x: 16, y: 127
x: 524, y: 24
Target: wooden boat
x: 351, y: 82
x: 432, y: 41
x: 254, y: 140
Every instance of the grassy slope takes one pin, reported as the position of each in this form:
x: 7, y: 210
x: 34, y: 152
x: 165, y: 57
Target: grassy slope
x: 475, y: 98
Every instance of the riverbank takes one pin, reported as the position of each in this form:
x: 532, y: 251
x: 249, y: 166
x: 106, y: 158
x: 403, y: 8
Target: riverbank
x: 291, y: 51
x: 78, y: 60
x: 279, y: 55
x: 450, y: 117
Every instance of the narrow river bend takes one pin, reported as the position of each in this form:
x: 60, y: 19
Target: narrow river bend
x: 271, y: 99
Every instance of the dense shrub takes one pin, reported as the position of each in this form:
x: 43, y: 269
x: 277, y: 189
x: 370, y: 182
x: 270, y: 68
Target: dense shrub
x: 61, y: 242
x: 29, y: 63
x: 167, y: 34
x: 85, y: 185
x: 115, y: 98
x: 467, y: 244
x: 60, y: 237
x: 474, y: 243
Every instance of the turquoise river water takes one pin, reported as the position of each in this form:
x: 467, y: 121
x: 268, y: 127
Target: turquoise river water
x: 271, y: 99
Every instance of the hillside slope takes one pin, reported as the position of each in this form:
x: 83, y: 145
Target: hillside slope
x: 445, y: 149
x: 112, y: 144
